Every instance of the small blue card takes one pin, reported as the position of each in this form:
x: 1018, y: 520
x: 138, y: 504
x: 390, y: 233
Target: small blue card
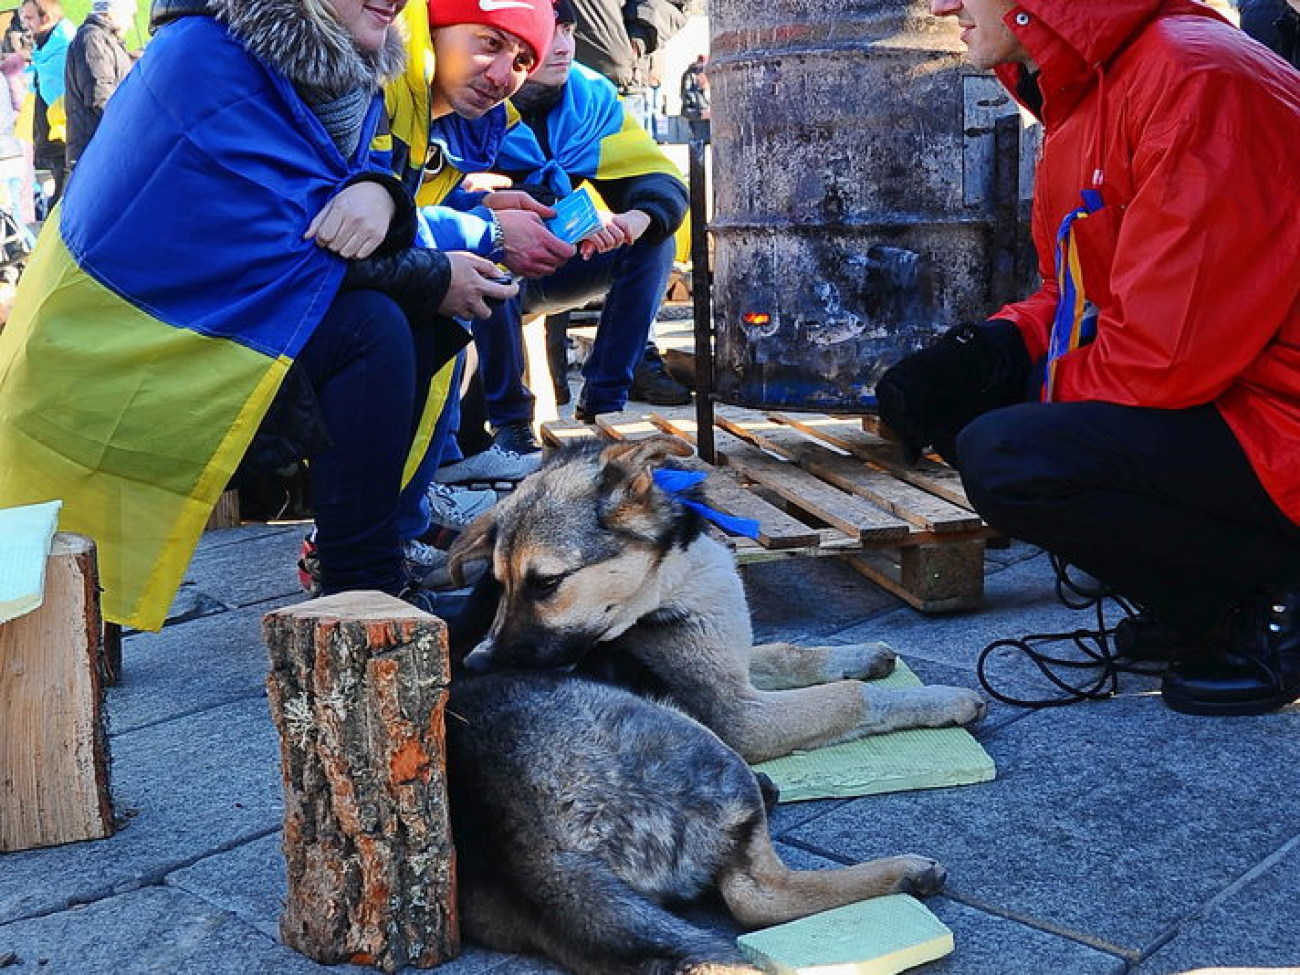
x: 575, y: 217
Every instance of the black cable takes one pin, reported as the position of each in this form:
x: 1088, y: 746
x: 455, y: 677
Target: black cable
x: 1096, y: 646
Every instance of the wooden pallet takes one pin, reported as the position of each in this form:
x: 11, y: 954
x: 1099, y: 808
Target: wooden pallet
x: 826, y: 486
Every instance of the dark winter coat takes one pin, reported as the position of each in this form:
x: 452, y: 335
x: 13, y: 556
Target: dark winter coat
x: 97, y: 62
x: 617, y: 37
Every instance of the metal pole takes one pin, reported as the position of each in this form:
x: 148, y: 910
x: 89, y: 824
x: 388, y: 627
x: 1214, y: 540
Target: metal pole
x: 702, y: 295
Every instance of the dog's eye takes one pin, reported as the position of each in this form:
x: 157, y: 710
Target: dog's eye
x: 541, y: 587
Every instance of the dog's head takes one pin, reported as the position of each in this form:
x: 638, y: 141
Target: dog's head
x: 576, y: 551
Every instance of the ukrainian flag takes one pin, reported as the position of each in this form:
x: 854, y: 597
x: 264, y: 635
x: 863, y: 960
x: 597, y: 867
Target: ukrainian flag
x: 165, y: 301
x: 590, y: 135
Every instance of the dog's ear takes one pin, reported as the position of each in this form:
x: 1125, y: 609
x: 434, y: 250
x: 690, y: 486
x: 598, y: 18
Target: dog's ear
x: 473, y: 544
x: 634, y: 461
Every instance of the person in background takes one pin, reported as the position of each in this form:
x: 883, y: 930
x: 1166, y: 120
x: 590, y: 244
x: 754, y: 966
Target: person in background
x: 51, y: 32
x: 97, y: 61
x: 1139, y: 415
x: 1275, y: 24
x: 622, y: 41
x: 695, y: 96
x: 577, y: 130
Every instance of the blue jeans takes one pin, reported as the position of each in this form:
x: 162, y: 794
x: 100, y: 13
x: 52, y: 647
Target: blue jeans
x: 413, y: 506
x: 365, y: 363
x: 632, y: 280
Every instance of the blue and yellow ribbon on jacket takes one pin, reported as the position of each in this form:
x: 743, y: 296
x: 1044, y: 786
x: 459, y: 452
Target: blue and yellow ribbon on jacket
x: 165, y: 301
x: 1075, y: 322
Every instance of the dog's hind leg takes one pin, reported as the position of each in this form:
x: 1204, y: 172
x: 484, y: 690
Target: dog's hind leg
x: 778, y: 666
x: 582, y: 915
x: 761, y: 890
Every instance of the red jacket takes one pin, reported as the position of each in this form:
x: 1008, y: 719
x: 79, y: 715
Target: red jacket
x: 1194, y: 263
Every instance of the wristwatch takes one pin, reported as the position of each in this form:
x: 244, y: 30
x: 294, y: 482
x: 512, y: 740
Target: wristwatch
x: 498, y: 240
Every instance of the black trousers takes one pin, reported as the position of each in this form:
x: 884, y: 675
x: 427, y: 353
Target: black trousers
x: 1160, y: 504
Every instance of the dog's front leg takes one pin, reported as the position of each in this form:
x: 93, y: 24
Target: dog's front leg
x: 769, y: 724
x: 779, y: 666
x: 896, y: 708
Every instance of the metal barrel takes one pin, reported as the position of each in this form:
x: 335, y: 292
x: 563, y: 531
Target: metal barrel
x: 853, y: 172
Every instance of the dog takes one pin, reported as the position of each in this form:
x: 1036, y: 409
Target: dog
x: 596, y: 566
x: 582, y: 812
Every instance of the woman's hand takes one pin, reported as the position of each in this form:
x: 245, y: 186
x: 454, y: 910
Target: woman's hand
x: 355, y: 221
x: 474, y: 282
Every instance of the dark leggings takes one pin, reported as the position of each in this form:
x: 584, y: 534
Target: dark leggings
x: 365, y: 363
x: 1161, y: 504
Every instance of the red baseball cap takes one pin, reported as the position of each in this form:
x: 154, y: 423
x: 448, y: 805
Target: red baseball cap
x: 532, y: 21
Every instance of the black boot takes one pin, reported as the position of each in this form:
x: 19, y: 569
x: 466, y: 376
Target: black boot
x: 1144, y: 637
x: 652, y: 384
x: 1258, y: 672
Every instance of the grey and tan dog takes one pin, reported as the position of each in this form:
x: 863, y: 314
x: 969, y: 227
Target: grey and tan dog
x: 583, y: 812
x: 593, y: 561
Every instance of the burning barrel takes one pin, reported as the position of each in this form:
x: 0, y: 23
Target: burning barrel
x: 853, y: 174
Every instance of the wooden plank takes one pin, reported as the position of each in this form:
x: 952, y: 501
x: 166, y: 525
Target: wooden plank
x: 907, y: 501
x: 939, y: 479
x: 53, y: 739
x: 895, y: 577
x: 225, y: 514
x: 851, y: 515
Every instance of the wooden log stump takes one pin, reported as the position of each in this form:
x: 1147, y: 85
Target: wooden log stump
x: 53, y: 742
x: 357, y: 688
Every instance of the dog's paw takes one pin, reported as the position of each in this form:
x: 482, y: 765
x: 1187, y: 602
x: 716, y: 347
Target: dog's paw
x: 894, y: 708
x: 921, y: 876
x: 860, y: 661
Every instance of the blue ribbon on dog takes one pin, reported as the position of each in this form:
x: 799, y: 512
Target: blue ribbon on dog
x: 675, y: 483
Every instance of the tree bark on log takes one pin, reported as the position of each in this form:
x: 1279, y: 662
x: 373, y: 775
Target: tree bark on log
x: 357, y: 688
x: 54, y: 762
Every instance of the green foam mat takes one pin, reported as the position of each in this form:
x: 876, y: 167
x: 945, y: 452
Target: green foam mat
x: 880, y: 936
x: 919, y: 758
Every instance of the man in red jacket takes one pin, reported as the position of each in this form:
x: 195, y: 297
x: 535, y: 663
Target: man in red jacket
x: 1139, y: 415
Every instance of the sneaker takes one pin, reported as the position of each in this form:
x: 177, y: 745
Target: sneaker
x: 455, y: 506
x: 652, y: 384
x: 309, y: 565
x: 517, y: 437
x: 421, y: 599
x: 426, y: 567
x: 491, y: 465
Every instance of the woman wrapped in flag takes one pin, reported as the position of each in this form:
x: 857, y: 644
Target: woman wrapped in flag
x: 228, y: 227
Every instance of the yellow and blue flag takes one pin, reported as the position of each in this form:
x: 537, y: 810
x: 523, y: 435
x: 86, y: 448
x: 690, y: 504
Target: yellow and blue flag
x: 591, y: 137
x: 167, y: 297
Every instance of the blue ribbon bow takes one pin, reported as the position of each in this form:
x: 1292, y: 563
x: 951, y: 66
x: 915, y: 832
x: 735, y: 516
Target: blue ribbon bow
x: 675, y: 483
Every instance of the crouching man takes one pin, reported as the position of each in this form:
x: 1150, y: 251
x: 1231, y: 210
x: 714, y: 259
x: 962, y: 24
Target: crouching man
x: 1139, y: 415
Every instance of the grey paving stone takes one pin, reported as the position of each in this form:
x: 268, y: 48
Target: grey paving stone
x: 1114, y: 820
x: 189, y: 787
x: 155, y: 931
x: 249, y: 882
x: 191, y: 666
x: 986, y: 943
x: 254, y: 566
x: 1253, y: 926
x: 802, y: 600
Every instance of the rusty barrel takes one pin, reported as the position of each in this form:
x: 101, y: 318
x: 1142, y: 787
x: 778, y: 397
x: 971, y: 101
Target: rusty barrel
x: 852, y: 171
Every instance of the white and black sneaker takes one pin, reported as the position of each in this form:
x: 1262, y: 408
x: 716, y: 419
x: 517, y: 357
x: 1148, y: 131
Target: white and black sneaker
x: 490, y: 466
x: 454, y: 506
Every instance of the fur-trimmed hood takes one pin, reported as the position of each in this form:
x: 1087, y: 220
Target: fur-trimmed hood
x: 305, y: 41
